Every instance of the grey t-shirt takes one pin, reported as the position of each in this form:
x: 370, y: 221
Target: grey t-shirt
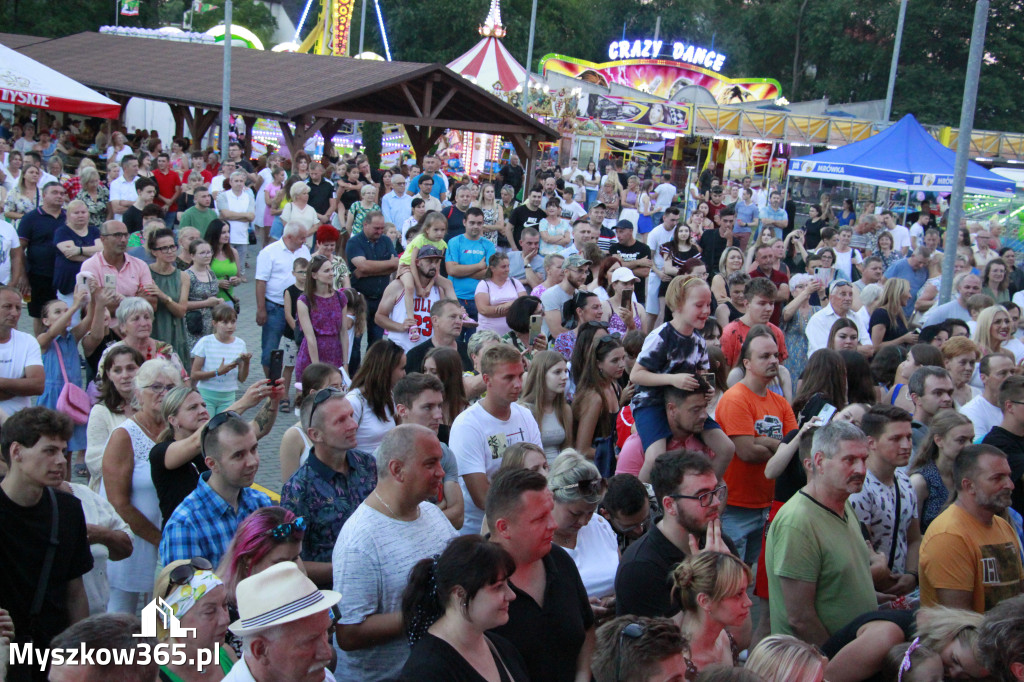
x: 553, y: 299
x: 372, y: 559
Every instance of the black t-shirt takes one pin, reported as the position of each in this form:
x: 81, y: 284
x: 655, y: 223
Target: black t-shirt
x: 643, y: 583
x: 434, y: 660
x: 712, y: 245
x: 793, y: 477
x: 636, y: 251
x: 522, y: 217
x: 173, y: 485
x: 456, y: 222
x: 513, y: 175
x: 92, y: 362
x: 349, y: 197
x: 894, y: 329
x: 320, y: 195
x: 550, y: 637
x: 24, y: 537
x: 414, y: 358
x: 245, y: 165
x: 1013, y: 446
x: 294, y: 292
x: 813, y: 229
x: 132, y: 219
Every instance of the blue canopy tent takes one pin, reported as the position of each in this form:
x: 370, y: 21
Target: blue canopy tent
x: 903, y: 156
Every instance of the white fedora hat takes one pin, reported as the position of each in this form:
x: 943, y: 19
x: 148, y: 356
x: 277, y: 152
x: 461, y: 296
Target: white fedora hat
x: 281, y: 594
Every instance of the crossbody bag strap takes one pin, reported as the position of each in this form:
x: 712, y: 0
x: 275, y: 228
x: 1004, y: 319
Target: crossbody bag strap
x: 60, y: 359
x: 497, y: 657
x: 895, y: 527
x: 51, y: 554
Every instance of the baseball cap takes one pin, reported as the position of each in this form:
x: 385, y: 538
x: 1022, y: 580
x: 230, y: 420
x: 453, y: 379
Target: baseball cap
x: 624, y: 225
x: 624, y: 274
x: 598, y: 204
x: 428, y: 251
x: 575, y: 261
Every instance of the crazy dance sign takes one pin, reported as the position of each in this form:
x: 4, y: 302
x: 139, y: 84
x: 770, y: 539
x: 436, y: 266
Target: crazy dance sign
x: 651, y: 49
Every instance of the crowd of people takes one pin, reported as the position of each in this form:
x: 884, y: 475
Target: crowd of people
x: 613, y: 432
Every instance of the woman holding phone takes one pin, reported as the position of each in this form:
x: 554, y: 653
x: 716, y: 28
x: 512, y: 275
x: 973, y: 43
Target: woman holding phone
x: 524, y: 318
x: 621, y: 310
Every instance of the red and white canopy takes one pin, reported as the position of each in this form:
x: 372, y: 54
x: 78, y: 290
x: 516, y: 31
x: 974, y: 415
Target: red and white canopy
x: 26, y: 82
x: 488, y: 63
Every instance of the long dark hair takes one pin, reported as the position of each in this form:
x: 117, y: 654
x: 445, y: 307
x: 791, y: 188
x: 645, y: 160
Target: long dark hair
x: 213, y: 233
x: 825, y: 373
x: 470, y: 562
x: 860, y: 388
x: 374, y: 377
x: 109, y: 396
x: 315, y: 265
x: 449, y: 371
x: 584, y: 340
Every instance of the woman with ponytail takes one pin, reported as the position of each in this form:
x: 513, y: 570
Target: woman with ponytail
x: 450, y: 603
x: 711, y: 589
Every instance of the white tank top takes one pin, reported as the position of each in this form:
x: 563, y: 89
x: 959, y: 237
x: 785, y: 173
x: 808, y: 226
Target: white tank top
x: 421, y: 311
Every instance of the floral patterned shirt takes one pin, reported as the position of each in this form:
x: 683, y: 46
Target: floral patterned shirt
x: 327, y: 499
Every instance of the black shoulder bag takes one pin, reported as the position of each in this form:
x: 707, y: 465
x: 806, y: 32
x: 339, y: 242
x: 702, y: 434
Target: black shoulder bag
x: 51, y: 553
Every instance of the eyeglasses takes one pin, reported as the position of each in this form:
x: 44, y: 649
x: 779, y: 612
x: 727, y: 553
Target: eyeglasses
x: 322, y: 396
x: 708, y: 498
x: 182, y: 575
x: 588, y: 486
x: 116, y: 235
x: 284, y: 531
x: 633, y: 631
x: 166, y: 249
x: 161, y: 388
x: 629, y: 529
x: 214, y: 424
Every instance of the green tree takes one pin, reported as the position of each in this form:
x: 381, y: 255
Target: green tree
x: 372, y: 142
x: 255, y: 16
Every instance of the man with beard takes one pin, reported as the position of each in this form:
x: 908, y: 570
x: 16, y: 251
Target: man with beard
x: 446, y: 332
x: 481, y: 434
x: 816, y: 557
x: 391, y: 313
x: 575, y: 269
x: 691, y: 494
x: 756, y: 420
x: 204, y: 523
x: 970, y: 556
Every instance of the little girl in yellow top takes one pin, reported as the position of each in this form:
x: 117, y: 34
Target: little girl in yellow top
x: 431, y: 232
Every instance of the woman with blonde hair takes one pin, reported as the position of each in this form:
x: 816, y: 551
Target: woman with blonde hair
x: 994, y: 329
x: 494, y: 216
x: 524, y: 455
x: 729, y: 264
x: 577, y: 489
x: 888, y: 324
x: 782, y: 658
x: 198, y: 599
x: 932, y: 471
x: 544, y: 395
x: 711, y: 589
x: 953, y: 634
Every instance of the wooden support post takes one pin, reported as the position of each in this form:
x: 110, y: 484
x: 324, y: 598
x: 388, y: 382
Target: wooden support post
x: 329, y: 130
x: 250, y: 121
x: 177, y: 113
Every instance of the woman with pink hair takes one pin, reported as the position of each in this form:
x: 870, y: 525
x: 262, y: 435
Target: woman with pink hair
x: 266, y: 537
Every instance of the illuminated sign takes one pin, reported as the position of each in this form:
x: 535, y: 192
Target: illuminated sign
x: 651, y: 49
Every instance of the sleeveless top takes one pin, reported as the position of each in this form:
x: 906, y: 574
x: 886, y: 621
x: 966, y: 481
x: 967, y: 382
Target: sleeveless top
x: 938, y: 494
x: 421, y: 313
x: 552, y: 435
x: 895, y: 393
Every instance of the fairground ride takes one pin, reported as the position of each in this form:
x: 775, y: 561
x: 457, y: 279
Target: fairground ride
x: 332, y: 32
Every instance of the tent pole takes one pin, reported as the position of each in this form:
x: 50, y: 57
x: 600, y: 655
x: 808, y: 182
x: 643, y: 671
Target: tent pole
x: 696, y: 167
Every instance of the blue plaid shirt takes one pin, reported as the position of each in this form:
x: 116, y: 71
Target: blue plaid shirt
x: 203, y: 524
x: 327, y: 498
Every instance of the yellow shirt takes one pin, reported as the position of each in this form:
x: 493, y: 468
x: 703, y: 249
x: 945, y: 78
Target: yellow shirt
x: 418, y: 242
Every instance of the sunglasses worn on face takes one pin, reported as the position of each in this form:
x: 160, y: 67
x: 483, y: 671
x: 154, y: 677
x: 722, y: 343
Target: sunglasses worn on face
x: 182, y: 575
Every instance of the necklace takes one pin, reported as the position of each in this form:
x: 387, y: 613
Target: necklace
x: 388, y: 506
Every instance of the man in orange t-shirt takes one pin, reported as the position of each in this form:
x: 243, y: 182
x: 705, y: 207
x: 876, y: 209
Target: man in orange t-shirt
x: 756, y: 419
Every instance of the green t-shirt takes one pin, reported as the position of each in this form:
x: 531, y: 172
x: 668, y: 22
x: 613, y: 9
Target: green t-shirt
x: 200, y: 220
x: 809, y: 542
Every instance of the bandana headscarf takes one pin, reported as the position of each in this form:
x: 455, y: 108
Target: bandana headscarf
x: 184, y: 597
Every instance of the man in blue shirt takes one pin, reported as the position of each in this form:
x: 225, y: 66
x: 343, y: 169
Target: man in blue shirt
x: 466, y: 261
x: 746, y: 218
x: 774, y: 216
x: 331, y: 484
x: 372, y: 259
x: 35, y: 232
x: 396, y: 204
x: 206, y: 520
x: 914, y: 269
x: 430, y: 169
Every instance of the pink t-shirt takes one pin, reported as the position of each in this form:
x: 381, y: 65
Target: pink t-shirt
x: 508, y: 291
x: 132, y: 275
x: 631, y: 456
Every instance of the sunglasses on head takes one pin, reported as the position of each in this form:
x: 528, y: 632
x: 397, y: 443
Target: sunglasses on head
x: 588, y: 486
x: 182, y: 575
x: 632, y: 631
x: 284, y: 531
x: 214, y: 424
x: 322, y: 396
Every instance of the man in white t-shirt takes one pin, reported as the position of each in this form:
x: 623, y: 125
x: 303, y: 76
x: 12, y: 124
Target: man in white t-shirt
x: 391, y: 315
x: 10, y: 249
x: 900, y: 234
x: 237, y: 207
x: 659, y: 236
x: 217, y: 184
x: 21, y: 364
x: 480, y: 435
x: 984, y: 410
x: 664, y: 195
x: 264, y: 179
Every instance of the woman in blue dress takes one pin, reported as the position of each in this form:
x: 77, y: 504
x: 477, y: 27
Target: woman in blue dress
x: 795, y: 317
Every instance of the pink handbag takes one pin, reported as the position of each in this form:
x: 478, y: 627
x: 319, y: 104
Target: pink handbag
x: 73, y: 400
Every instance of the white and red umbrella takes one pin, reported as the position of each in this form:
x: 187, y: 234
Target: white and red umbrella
x: 488, y: 62
x: 26, y: 82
